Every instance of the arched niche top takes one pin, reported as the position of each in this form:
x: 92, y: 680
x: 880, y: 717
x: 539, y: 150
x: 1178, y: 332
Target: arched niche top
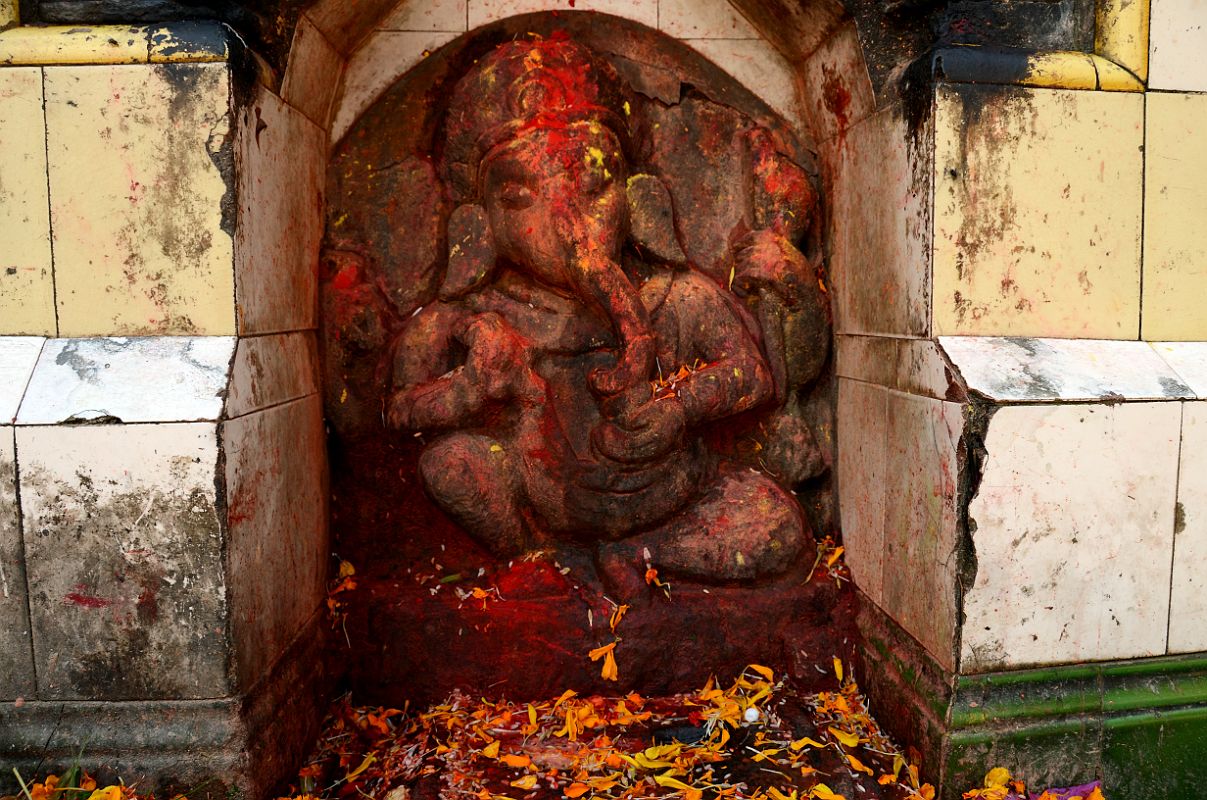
x: 794, y: 27
x: 803, y: 57
x: 389, y: 53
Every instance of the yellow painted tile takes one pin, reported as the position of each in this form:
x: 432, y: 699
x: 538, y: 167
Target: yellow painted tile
x: 140, y: 242
x: 1175, y: 210
x: 99, y: 44
x: 26, y: 281
x: 1037, y: 212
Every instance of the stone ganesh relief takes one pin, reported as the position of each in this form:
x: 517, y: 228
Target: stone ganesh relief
x: 611, y: 360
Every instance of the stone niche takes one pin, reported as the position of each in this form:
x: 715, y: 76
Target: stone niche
x: 576, y: 348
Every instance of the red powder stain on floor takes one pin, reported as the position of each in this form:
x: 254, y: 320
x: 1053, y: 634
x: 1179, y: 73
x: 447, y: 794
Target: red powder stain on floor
x: 79, y: 598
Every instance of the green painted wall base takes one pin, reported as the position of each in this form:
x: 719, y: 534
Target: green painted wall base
x: 1140, y: 726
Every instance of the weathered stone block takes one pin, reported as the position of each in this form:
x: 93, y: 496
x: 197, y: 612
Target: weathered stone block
x: 280, y: 177
x: 125, y: 143
x: 921, y: 538
x: 276, y: 486
x: 26, y: 282
x: 123, y: 548
x: 136, y: 379
x: 880, y: 227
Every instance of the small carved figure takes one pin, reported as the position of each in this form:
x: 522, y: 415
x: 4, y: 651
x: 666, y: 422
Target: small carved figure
x: 577, y: 365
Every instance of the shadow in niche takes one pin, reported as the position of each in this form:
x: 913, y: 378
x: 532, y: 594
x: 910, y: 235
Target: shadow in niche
x: 500, y: 498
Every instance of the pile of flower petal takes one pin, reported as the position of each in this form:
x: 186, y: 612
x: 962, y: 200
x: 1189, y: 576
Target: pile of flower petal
x: 754, y: 740
x: 999, y: 785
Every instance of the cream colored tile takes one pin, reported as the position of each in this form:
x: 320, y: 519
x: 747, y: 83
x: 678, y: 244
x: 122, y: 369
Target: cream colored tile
x: 1037, y: 212
x: 270, y: 370
x: 275, y: 478
x: 1188, y: 360
x: 862, y: 431
x: 1074, y: 533
x: 427, y: 15
x: 835, y: 84
x: 879, y: 188
x: 16, y: 656
x: 18, y: 355
x: 1175, y: 208
x: 482, y: 12
x: 26, y: 280
x: 1188, y: 598
x: 281, y: 158
x: 703, y: 19
x: 760, y: 68
x: 128, y: 143
x: 124, y: 556
x: 139, y: 379
x: 1023, y: 370
x: 377, y: 64
x: 921, y: 540
x: 313, y: 73
x: 1177, y: 45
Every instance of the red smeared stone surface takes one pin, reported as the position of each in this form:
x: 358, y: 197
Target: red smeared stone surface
x: 416, y: 642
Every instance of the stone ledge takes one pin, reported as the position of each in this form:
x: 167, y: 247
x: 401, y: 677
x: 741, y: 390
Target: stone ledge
x: 247, y: 744
x: 1135, y: 724
x: 186, y: 42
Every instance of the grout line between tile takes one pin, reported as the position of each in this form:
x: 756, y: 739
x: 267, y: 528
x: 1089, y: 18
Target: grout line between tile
x: 21, y: 559
x: 54, y: 280
x: 1143, y: 210
x: 1173, y: 545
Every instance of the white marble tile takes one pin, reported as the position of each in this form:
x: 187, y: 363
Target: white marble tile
x: 281, y: 178
x: 760, y: 68
x: 1188, y: 596
x: 862, y: 430
x: 124, y: 557
x: 427, y: 15
x: 18, y: 355
x: 703, y: 19
x: 137, y: 379
x: 1177, y: 45
x: 1074, y: 529
x: 277, y: 513
x: 1012, y: 369
x: 16, y: 656
x: 383, y: 58
x: 879, y: 185
x: 313, y: 73
x: 1188, y: 360
x: 270, y: 370
x: 921, y: 539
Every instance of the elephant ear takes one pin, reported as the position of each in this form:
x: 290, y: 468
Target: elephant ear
x: 471, y: 252
x: 652, y: 219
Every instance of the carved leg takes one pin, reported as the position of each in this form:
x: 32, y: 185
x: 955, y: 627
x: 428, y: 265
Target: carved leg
x: 473, y: 479
x: 746, y: 527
